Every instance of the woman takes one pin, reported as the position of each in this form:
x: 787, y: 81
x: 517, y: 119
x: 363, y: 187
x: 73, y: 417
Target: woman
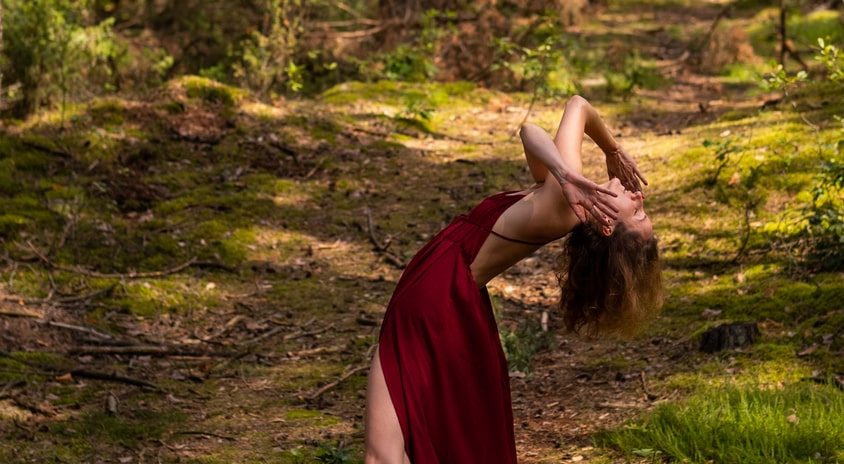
x: 439, y: 387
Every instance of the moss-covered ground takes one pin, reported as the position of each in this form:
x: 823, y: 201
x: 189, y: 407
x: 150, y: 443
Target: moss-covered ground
x: 199, y: 277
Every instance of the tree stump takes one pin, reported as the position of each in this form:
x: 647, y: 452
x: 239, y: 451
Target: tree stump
x: 729, y: 336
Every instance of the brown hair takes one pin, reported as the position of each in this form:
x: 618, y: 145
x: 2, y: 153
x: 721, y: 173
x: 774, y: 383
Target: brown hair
x: 610, y: 285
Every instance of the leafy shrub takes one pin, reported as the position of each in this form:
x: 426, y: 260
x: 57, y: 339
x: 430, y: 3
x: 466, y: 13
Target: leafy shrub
x: 826, y: 215
x: 50, y: 50
x: 415, y: 63
x: 522, y: 343
x: 820, y: 230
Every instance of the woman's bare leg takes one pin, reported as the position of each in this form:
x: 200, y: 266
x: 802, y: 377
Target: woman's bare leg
x: 384, y: 440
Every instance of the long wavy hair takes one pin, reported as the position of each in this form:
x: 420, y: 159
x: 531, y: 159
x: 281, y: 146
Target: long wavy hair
x: 610, y: 285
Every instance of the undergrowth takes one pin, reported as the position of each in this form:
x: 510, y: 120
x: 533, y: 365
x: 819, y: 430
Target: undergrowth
x: 799, y: 423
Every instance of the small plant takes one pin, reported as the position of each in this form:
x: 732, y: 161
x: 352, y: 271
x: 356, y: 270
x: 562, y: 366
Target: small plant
x: 522, y: 343
x: 648, y: 453
x: 825, y: 217
x: 633, y: 74
x: 828, y: 54
x: 532, y: 65
x: 328, y: 454
x: 265, y: 60
x: 415, y: 63
x: 723, y: 151
x: 779, y: 79
x: 416, y: 112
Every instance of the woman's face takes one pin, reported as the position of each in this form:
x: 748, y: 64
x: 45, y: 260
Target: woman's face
x: 631, y: 209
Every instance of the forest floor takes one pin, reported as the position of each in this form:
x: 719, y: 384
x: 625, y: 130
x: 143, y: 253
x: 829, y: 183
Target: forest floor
x: 228, y: 308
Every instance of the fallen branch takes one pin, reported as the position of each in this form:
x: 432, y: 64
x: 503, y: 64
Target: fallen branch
x: 250, y: 345
x: 301, y: 334
x: 86, y: 374
x: 85, y: 330
x: 371, y: 225
x: 87, y: 296
x: 314, y: 396
x: 293, y: 355
x: 22, y: 313
x: 81, y: 373
x: 9, y: 387
x: 148, y: 350
x: 381, y: 247
x: 206, y: 434
x: 130, y: 275
x: 214, y: 265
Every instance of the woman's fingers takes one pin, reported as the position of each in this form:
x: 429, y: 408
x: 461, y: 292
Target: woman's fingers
x: 607, y: 210
x: 579, y: 212
x: 604, y: 190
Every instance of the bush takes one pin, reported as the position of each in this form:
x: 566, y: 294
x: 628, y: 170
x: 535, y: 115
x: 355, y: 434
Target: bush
x: 49, y: 50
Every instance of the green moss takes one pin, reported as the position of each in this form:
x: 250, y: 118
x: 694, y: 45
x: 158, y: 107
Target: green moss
x: 106, y: 112
x: 12, y: 224
x: 398, y: 93
x: 30, y: 209
x: 95, y: 428
x: 310, y: 417
x: 31, y: 153
x: 173, y: 295
x: 210, y: 91
x: 172, y: 107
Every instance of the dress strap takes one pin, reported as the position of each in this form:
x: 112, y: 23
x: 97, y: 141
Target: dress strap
x: 489, y: 230
x: 515, y: 240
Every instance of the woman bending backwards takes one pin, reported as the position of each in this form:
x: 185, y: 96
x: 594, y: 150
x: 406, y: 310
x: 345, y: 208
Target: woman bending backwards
x: 439, y: 389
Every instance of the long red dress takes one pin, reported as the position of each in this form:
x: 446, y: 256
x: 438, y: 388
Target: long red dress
x: 441, y: 354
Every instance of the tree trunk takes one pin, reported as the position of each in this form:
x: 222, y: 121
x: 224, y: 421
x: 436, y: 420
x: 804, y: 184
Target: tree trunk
x: 783, y: 36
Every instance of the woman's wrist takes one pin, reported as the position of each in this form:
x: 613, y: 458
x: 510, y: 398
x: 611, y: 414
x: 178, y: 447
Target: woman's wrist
x: 561, y: 174
x: 614, y: 151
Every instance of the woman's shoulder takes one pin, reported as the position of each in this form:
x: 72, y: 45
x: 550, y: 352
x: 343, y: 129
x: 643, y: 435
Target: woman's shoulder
x: 543, y: 214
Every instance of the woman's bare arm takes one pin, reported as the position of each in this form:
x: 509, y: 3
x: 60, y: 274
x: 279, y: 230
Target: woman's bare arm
x: 582, y: 194
x: 580, y: 117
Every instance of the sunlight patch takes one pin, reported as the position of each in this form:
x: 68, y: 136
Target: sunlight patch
x: 296, y: 200
x: 262, y: 110
x: 429, y: 145
x: 8, y: 410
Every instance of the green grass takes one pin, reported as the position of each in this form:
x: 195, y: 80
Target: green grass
x: 796, y: 423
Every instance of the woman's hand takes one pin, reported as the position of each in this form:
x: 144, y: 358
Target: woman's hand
x: 622, y: 166
x: 584, y: 195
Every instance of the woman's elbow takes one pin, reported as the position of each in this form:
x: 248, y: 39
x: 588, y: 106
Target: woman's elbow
x: 528, y: 130
x: 577, y: 100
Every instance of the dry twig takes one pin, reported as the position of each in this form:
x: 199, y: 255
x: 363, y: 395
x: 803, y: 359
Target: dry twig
x: 315, y: 395
x: 650, y: 396
x: 379, y: 246
x: 149, y: 350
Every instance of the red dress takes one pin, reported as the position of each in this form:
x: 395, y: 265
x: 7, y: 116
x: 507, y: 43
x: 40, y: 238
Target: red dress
x: 441, y: 354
